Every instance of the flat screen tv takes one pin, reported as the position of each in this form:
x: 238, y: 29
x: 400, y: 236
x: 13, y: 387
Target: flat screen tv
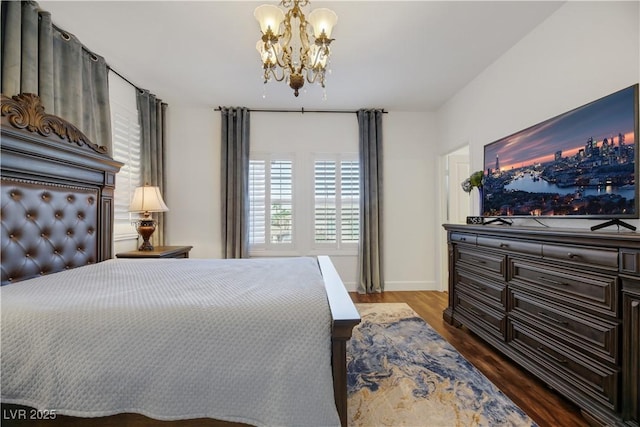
x: 580, y: 164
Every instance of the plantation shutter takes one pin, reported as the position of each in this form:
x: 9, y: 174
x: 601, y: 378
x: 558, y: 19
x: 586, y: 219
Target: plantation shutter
x: 349, y: 201
x: 126, y: 149
x: 325, y: 201
x: 281, y: 201
x: 257, y: 202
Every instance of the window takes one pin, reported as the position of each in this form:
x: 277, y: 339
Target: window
x: 303, y: 204
x: 325, y: 201
x: 270, y: 202
x: 349, y: 201
x: 125, y: 128
x: 336, y: 202
x: 257, y: 202
x: 281, y: 201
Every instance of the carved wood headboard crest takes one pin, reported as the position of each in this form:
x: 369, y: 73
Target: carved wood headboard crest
x: 25, y: 111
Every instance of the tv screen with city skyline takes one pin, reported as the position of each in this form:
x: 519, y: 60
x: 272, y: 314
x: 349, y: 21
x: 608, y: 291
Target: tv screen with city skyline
x: 582, y: 163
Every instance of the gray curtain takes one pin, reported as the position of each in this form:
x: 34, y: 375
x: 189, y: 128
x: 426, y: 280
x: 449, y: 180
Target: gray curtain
x: 152, y: 112
x: 370, y: 277
x: 235, y: 182
x: 39, y: 58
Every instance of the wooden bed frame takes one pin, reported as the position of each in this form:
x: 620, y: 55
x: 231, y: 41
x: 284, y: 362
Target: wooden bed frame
x: 56, y: 182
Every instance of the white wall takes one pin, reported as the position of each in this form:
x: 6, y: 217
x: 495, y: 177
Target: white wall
x: 410, y: 197
x: 193, y: 179
x: 193, y: 188
x: 584, y: 51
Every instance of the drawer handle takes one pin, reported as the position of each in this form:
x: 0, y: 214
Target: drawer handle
x: 572, y: 255
x: 504, y: 245
x: 553, y: 282
x: 553, y: 319
x: 481, y: 261
x: 551, y: 356
x: 463, y: 239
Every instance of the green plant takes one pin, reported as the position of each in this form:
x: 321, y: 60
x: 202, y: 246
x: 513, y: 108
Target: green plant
x: 475, y: 180
x: 280, y: 223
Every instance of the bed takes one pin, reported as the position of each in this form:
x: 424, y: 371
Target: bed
x: 261, y: 342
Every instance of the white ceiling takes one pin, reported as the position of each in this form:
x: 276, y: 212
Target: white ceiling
x: 397, y: 55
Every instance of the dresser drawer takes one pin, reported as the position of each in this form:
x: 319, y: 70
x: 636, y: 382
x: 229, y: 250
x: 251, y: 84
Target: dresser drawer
x: 586, y: 334
x: 630, y: 261
x: 591, y: 257
x: 481, y: 261
x: 566, y: 368
x: 513, y: 246
x: 462, y: 238
x: 480, y: 315
x: 583, y: 290
x: 491, y: 291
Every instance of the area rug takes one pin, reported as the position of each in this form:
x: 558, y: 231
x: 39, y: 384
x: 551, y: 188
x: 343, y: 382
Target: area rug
x: 401, y: 372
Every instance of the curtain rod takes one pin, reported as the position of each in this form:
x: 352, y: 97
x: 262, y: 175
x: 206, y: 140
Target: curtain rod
x: 124, y: 78
x: 302, y: 111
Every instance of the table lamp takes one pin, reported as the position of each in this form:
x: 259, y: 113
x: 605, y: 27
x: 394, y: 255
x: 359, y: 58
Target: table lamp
x: 147, y: 199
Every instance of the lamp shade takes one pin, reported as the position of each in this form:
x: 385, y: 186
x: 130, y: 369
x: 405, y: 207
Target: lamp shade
x: 147, y: 199
x: 269, y: 16
x: 322, y: 19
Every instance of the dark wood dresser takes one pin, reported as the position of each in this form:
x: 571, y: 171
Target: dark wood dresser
x: 564, y: 304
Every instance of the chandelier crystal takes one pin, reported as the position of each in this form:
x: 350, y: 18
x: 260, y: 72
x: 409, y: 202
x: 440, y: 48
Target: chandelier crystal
x: 288, y: 53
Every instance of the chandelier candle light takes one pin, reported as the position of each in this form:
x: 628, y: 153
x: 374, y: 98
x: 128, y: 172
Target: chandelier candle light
x: 291, y: 49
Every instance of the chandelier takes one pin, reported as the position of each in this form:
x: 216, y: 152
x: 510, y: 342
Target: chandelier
x: 289, y: 54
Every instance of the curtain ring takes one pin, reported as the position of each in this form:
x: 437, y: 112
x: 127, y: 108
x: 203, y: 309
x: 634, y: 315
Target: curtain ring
x: 65, y: 36
x: 93, y: 57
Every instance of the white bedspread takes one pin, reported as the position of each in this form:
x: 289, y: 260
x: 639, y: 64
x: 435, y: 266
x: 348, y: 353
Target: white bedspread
x: 236, y: 340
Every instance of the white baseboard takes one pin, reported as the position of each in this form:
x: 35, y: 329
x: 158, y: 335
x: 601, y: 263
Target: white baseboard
x: 400, y: 286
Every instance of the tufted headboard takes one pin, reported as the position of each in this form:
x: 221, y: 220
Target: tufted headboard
x: 57, y: 193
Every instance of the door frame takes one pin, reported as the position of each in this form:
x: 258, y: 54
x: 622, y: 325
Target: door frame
x: 451, y: 172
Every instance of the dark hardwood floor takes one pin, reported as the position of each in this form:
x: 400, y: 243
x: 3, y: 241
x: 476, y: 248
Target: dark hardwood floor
x: 542, y: 404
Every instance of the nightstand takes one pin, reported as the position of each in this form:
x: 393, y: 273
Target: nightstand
x: 159, y: 252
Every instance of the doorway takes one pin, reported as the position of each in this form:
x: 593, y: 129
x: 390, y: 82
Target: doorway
x: 455, y: 203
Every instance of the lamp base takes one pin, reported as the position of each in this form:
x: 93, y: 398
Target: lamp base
x: 146, y: 227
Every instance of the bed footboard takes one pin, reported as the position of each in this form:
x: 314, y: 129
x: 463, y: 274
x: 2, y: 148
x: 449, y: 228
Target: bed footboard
x: 345, y: 316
